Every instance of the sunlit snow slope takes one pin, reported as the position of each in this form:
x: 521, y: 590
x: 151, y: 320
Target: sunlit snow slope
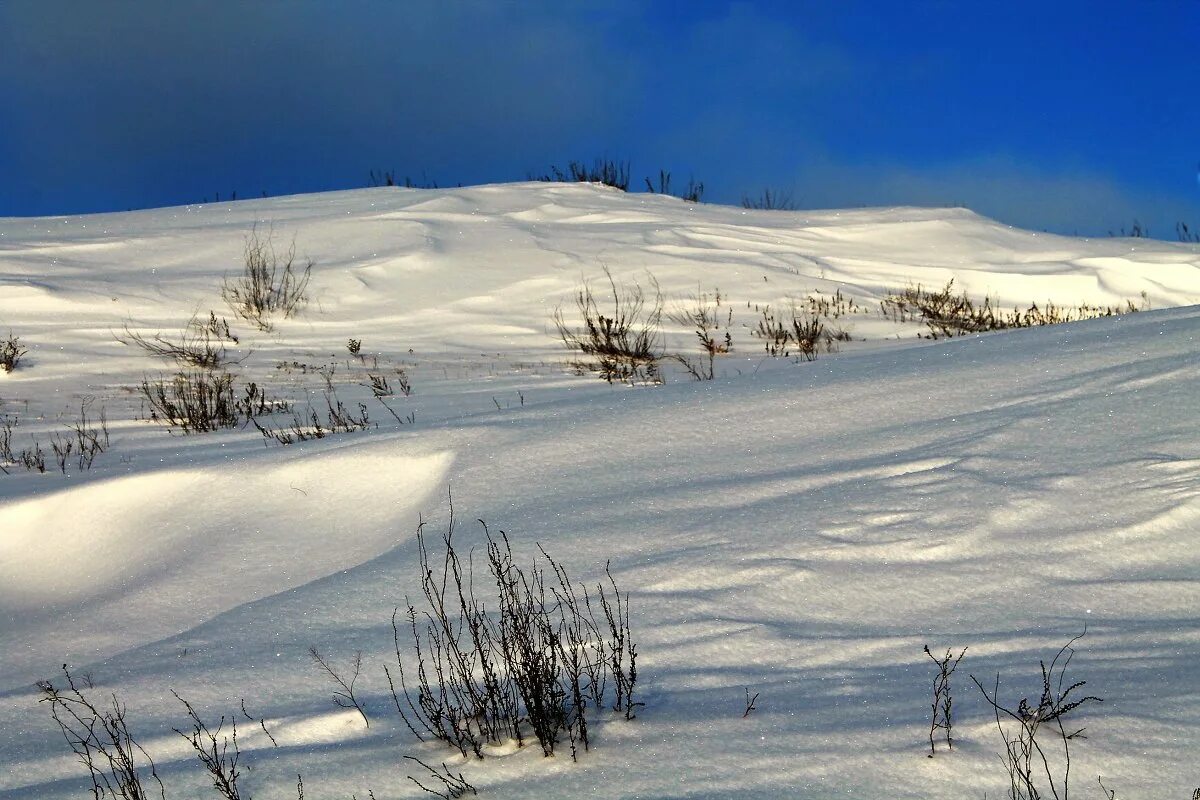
x: 798, y: 530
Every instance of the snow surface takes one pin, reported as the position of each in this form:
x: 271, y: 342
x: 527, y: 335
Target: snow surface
x: 797, y: 529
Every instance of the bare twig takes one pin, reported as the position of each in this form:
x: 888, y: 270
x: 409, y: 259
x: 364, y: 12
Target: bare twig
x: 1025, y: 758
x: 344, y: 695
x: 101, y: 739
x: 750, y: 703
x: 455, y: 785
x: 220, y: 759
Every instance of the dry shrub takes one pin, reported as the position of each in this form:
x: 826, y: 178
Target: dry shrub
x: 271, y: 283
x: 622, y: 341
x: 525, y: 663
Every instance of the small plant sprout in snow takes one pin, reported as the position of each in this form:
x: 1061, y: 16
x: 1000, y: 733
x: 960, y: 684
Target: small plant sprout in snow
x: 262, y: 723
x: 941, y: 714
x: 750, y: 701
x: 380, y: 386
x: 402, y: 381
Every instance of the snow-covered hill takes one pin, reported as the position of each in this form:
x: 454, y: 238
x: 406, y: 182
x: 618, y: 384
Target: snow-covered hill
x: 798, y: 530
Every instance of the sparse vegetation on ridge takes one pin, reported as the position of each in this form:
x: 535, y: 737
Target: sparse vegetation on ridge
x: 625, y: 343
x: 948, y: 314
x: 744, y: 643
x: 616, y: 174
x: 770, y: 200
x: 603, y: 170
x: 610, y: 172
x: 691, y: 193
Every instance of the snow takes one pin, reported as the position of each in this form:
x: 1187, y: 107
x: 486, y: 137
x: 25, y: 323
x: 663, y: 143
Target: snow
x: 800, y: 530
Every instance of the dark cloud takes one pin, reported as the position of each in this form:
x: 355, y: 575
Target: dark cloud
x: 142, y: 93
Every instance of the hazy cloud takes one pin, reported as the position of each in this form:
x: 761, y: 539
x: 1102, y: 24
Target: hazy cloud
x: 1003, y: 187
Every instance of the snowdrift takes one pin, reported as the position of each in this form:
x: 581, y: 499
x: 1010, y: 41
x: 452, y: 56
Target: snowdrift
x: 796, y: 530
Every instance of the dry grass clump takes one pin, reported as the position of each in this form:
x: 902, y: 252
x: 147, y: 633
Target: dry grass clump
x: 118, y: 766
x: 204, y: 401
x: 200, y: 345
x: 524, y: 662
x: 11, y: 351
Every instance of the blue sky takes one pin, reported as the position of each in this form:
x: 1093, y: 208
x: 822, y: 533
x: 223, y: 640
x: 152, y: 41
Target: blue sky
x: 1065, y: 116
